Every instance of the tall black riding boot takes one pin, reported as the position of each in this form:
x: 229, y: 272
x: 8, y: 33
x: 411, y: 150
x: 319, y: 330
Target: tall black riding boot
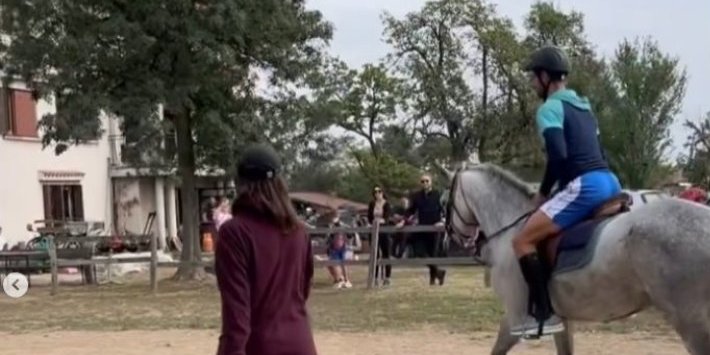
x: 539, y: 305
x: 542, y: 321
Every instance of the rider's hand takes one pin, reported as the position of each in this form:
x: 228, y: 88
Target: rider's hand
x: 539, y: 199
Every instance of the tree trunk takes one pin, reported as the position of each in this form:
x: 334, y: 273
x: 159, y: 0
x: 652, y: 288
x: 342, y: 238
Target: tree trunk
x: 191, y: 251
x: 481, y: 146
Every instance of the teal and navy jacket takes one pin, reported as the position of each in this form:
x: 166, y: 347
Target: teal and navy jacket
x: 571, y: 135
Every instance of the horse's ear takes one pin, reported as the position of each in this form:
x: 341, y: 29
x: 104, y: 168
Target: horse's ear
x: 449, y: 174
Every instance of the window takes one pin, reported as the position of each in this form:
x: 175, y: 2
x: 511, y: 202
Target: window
x: 18, y: 113
x: 63, y: 202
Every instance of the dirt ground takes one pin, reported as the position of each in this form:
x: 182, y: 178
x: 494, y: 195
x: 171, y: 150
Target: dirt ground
x: 192, y: 342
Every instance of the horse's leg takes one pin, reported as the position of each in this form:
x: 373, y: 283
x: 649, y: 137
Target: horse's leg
x: 564, y: 340
x: 688, y: 315
x: 693, y: 328
x: 683, y: 302
x: 504, y: 341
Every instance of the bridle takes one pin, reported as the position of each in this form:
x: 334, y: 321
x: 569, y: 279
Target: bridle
x: 480, y: 239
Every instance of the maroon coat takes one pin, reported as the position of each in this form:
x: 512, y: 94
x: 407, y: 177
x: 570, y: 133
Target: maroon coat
x: 264, y: 278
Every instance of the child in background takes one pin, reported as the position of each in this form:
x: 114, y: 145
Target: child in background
x: 341, y: 249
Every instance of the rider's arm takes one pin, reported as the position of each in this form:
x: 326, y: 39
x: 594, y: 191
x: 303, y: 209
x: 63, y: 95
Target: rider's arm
x: 550, y: 124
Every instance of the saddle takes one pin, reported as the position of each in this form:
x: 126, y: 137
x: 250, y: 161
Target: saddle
x: 612, y: 207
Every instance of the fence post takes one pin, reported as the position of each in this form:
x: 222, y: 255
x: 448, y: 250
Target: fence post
x: 374, y: 255
x: 53, y: 267
x: 154, y: 262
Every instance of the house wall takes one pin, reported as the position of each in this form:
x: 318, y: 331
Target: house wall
x: 128, y: 207
x: 21, y: 193
x: 136, y: 198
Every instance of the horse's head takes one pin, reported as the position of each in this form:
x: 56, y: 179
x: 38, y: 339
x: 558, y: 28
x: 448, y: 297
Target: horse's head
x: 484, y: 201
x: 461, y: 222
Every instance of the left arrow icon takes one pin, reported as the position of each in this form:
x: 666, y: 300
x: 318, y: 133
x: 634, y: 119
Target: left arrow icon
x: 15, y: 284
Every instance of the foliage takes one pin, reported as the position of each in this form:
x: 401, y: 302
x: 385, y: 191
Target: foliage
x: 200, y: 60
x: 430, y: 53
x: 696, y: 163
x: 395, y: 177
x: 363, y: 102
x: 650, y: 88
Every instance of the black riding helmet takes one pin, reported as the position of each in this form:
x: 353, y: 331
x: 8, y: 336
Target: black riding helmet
x: 550, y: 59
x: 258, y: 162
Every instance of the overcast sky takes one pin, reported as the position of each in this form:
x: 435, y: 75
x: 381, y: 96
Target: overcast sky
x: 681, y: 30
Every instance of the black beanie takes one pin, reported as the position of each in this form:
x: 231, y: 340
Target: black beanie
x: 258, y: 162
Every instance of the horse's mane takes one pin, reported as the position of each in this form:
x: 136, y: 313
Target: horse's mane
x: 505, y: 176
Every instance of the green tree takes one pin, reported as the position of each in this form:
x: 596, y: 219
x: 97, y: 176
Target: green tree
x: 696, y: 163
x: 504, y: 113
x: 362, y: 102
x: 318, y: 167
x: 650, y: 88
x: 198, y: 59
x: 400, y: 142
x: 396, y: 177
x: 429, y: 51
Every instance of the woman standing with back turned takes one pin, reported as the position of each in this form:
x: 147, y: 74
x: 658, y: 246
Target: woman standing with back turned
x: 264, y: 265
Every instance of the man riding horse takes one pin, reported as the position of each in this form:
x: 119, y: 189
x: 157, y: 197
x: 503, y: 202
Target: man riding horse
x: 576, y: 162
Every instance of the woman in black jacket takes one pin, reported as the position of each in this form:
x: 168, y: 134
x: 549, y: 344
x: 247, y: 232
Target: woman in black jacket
x: 379, y: 209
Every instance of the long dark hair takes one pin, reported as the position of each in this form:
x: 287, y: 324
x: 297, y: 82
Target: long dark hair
x: 268, y: 198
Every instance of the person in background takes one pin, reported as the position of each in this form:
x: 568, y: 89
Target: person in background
x: 339, y: 248
x: 379, y: 210
x: 399, y: 239
x: 426, y: 203
x: 222, y: 212
x: 207, y: 209
x: 264, y: 265
x: 694, y: 194
x: 207, y: 222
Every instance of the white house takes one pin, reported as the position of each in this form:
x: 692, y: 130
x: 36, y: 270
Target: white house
x: 35, y: 184
x: 89, y: 182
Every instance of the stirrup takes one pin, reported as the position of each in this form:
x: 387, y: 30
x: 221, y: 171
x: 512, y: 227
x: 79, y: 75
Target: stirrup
x: 533, y: 329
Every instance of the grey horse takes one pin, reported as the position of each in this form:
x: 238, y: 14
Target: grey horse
x: 656, y: 255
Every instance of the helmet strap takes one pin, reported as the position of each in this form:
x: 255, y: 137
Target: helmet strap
x: 545, y: 85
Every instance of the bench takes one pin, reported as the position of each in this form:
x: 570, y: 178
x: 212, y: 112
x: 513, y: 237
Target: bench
x: 26, y: 262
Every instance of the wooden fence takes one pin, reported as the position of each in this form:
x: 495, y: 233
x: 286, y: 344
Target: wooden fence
x: 373, y: 261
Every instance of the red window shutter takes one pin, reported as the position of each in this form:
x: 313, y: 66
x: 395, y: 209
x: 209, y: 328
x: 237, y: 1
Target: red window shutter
x: 4, y: 111
x: 77, y: 203
x: 24, y: 114
x: 47, y: 197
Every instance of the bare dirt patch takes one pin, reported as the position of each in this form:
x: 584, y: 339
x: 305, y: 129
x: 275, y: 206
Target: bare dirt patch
x: 184, y: 342
x: 409, y: 317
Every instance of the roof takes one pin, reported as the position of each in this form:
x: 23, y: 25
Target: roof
x: 325, y: 200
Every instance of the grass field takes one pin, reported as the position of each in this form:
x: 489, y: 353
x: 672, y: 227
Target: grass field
x: 463, y: 305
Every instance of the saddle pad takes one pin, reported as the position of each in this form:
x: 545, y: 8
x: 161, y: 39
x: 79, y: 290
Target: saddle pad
x: 577, y: 245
